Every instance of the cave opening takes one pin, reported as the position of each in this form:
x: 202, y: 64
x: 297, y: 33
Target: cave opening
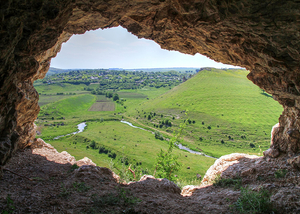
x: 240, y: 137
x: 263, y: 37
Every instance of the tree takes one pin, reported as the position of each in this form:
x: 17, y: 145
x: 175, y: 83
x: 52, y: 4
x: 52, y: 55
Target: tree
x: 93, y: 144
x: 158, y: 135
x: 109, y: 94
x: 115, y: 97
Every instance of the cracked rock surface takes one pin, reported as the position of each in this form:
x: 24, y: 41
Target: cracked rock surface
x: 261, y: 36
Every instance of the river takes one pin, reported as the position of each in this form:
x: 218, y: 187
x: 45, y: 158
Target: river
x: 80, y: 127
x: 180, y: 146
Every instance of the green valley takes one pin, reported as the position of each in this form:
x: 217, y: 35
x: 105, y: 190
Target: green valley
x: 226, y: 113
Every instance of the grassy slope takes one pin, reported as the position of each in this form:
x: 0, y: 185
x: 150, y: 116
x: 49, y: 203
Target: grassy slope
x: 138, y: 145
x: 224, y: 100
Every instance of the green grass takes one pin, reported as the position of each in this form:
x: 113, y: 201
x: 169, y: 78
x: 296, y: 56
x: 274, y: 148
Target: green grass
x: 234, y: 112
x: 137, y: 145
x: 254, y: 202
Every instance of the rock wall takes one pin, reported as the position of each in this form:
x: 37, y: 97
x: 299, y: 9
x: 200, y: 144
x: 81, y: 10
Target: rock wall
x: 261, y: 36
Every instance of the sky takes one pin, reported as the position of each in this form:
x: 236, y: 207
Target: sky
x: 117, y: 48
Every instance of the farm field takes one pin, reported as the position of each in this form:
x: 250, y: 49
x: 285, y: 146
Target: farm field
x: 102, y: 106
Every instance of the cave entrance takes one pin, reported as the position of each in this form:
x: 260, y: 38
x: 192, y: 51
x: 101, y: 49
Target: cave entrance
x: 93, y: 69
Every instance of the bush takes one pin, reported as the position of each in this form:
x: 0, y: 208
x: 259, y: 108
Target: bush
x: 236, y: 182
x: 112, y: 155
x: 93, y: 145
x: 280, y: 173
x: 102, y: 149
x: 158, y: 135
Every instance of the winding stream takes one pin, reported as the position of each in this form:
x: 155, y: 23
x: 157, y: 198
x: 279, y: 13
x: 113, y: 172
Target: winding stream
x: 180, y: 146
x: 80, y: 127
x: 130, y: 124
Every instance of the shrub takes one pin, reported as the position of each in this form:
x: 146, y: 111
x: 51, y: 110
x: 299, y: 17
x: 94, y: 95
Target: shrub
x: 158, y: 135
x: 112, y: 155
x: 9, y: 208
x: 102, y: 149
x: 235, y: 182
x: 93, y: 144
x: 280, y: 173
x: 167, y: 163
x: 80, y: 187
x: 73, y: 167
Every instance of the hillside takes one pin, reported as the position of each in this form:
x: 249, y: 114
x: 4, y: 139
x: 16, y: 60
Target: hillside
x: 55, y: 71
x: 227, y: 112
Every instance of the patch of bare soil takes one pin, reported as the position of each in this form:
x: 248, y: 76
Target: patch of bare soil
x: 47, y: 182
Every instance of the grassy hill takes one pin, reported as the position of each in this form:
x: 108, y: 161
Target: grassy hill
x: 228, y: 113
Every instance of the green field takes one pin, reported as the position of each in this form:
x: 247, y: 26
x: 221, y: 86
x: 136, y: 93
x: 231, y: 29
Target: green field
x: 138, y: 146
x: 231, y: 114
x: 227, y: 114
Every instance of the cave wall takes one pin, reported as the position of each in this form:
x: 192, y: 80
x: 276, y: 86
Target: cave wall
x: 263, y: 37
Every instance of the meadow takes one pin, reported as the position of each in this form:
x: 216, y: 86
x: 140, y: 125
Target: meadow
x: 138, y: 147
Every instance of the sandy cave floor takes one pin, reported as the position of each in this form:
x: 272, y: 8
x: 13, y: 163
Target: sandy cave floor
x: 50, y: 185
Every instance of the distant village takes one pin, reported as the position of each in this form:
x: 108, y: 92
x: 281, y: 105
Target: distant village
x: 119, y: 79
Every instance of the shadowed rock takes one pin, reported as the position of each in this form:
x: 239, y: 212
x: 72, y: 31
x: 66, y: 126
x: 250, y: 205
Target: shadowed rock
x: 261, y: 36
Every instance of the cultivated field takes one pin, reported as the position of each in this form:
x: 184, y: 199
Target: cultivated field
x: 103, y: 106
x: 133, y: 95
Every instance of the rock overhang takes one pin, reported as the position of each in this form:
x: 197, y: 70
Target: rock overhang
x: 260, y: 36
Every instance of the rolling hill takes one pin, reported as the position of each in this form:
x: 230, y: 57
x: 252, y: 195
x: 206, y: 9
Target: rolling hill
x: 228, y: 113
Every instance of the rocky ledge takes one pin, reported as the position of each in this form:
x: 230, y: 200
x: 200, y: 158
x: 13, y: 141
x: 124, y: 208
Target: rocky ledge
x: 46, y: 181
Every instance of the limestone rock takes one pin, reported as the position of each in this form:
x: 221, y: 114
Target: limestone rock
x: 295, y: 161
x: 159, y: 184
x: 85, y: 161
x: 286, y: 198
x: 271, y: 152
x: 189, y: 190
x: 223, y: 163
x: 89, y: 173
x: 236, y: 32
x: 47, y: 150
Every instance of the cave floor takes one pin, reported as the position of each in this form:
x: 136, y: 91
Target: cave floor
x: 46, y: 182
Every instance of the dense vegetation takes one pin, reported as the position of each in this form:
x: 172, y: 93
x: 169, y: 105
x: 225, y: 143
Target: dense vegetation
x: 116, y: 79
x: 227, y: 114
